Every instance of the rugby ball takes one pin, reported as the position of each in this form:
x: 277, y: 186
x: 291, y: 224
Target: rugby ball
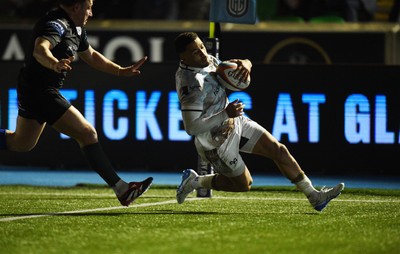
x: 225, y: 77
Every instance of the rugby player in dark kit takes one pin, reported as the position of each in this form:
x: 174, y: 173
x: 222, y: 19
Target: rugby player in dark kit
x: 58, y: 37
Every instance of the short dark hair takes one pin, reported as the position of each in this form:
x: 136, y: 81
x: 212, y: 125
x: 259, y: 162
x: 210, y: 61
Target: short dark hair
x: 69, y: 2
x: 184, y: 39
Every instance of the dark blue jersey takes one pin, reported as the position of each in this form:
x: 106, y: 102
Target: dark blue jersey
x: 66, y: 39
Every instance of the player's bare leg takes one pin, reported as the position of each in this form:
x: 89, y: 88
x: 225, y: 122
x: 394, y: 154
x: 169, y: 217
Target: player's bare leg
x: 241, y: 183
x: 73, y: 124
x: 25, y: 136
x: 269, y: 147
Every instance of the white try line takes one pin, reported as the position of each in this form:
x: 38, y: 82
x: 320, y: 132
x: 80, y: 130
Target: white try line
x: 173, y: 202
x: 341, y: 198
x: 90, y: 210
x: 58, y: 194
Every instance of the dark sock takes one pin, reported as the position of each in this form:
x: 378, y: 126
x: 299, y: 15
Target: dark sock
x: 98, y: 160
x: 298, y: 178
x: 3, y: 143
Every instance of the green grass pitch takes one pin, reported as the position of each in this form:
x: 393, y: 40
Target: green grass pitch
x: 89, y: 219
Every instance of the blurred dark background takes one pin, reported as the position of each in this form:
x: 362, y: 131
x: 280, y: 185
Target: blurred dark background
x: 268, y: 10
x: 337, y: 49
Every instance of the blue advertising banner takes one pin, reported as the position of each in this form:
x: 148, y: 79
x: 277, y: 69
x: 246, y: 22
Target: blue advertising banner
x: 335, y: 119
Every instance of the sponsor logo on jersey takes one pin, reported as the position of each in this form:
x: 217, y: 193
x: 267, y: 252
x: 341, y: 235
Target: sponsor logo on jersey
x: 233, y: 162
x: 79, y: 30
x: 57, y: 26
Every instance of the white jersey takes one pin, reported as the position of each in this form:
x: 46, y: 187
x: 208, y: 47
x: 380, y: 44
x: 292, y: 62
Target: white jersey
x: 203, y: 101
x: 218, y: 138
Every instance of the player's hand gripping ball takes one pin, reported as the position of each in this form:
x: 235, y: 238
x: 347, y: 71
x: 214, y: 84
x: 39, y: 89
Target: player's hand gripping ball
x: 225, y: 77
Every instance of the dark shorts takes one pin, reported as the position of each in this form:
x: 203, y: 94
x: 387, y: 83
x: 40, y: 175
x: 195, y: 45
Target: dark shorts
x: 45, y: 105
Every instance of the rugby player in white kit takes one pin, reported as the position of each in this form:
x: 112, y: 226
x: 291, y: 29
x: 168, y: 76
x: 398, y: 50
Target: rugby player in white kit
x: 221, y: 130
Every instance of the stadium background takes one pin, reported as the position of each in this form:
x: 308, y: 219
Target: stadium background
x: 331, y: 62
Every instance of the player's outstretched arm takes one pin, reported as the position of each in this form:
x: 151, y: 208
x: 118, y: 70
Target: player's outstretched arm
x: 132, y: 70
x: 42, y: 54
x: 98, y: 61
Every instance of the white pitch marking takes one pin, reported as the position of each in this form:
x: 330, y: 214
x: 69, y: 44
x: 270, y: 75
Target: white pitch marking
x: 171, y: 202
x: 217, y: 197
x: 91, y: 210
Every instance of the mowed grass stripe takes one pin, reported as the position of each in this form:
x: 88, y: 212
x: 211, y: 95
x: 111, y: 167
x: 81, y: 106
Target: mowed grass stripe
x: 341, y: 198
x: 271, y: 221
x: 169, y: 202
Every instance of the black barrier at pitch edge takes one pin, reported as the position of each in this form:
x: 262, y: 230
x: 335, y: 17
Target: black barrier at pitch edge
x: 318, y: 112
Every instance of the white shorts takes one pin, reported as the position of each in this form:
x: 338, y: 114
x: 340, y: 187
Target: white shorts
x: 226, y: 159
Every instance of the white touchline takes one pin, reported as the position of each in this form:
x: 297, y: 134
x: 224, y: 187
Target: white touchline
x: 188, y: 199
x: 93, y: 210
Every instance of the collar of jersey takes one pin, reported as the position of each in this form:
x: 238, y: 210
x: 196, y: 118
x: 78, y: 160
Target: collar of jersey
x: 184, y: 66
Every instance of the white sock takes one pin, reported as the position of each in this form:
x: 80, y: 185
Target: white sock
x: 120, y: 187
x: 305, y: 186
x: 203, y: 181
